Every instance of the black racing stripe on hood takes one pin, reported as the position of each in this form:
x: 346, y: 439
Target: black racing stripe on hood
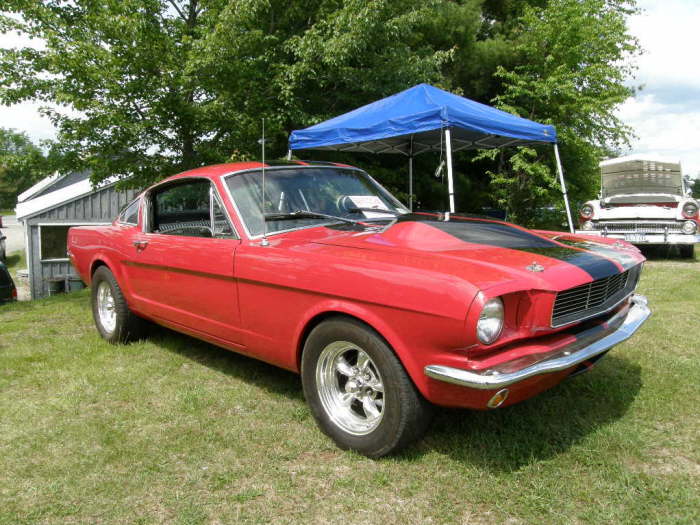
x: 626, y: 260
x: 597, y: 267
x: 494, y: 233
x: 504, y: 235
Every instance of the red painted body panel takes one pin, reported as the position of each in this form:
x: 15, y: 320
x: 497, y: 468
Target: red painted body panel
x: 419, y: 288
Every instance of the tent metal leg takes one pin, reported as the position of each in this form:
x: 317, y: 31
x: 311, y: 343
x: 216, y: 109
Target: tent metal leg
x: 410, y: 182
x: 450, y: 182
x: 563, y: 189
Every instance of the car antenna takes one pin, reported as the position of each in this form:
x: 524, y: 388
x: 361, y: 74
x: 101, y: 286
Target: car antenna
x: 264, y: 241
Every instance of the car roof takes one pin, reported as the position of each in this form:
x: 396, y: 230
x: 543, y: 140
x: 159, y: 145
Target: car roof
x: 217, y: 170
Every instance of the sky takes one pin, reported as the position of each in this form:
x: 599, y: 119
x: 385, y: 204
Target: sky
x: 664, y: 114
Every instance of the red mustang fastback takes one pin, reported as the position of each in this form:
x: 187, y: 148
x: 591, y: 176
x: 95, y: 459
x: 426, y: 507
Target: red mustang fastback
x: 316, y: 268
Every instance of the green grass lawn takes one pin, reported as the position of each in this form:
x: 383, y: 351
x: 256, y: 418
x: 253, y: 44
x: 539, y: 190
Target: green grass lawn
x: 173, y: 430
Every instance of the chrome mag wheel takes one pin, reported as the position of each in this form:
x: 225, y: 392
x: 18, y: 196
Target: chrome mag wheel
x: 350, y: 388
x: 106, y: 307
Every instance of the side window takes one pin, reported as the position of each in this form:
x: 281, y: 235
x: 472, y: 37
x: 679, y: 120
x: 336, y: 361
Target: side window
x: 183, y: 209
x: 131, y: 214
x: 190, y: 209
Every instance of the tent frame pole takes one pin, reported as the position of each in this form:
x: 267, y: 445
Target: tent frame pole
x: 450, y: 182
x: 410, y: 175
x: 563, y: 188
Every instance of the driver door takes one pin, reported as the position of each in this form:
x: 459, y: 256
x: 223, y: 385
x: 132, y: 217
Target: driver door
x: 182, y: 262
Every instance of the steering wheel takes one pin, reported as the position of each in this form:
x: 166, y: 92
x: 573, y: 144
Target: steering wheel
x: 345, y: 204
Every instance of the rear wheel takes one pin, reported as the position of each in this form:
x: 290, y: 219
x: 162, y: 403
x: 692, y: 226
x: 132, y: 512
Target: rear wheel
x: 358, y: 390
x: 113, y: 319
x: 687, y: 251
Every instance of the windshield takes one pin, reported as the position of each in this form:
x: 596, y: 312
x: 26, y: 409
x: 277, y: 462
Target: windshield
x: 347, y: 193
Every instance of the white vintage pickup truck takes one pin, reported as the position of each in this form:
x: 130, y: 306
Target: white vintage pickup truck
x: 643, y: 201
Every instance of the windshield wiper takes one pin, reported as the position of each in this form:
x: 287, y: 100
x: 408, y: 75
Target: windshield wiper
x: 305, y: 214
x: 375, y: 210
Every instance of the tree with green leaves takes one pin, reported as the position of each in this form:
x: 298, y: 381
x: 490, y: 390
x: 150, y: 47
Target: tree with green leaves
x: 695, y: 187
x: 147, y: 88
x: 159, y: 86
x: 21, y: 165
x: 573, y: 58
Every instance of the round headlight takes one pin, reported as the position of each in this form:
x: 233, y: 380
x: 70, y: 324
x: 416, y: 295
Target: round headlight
x: 490, y: 323
x: 588, y: 226
x: 690, y: 209
x: 689, y: 227
x: 586, y: 211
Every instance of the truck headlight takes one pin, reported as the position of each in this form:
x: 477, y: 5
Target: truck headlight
x: 586, y: 211
x: 689, y: 227
x: 690, y: 209
x: 490, y: 323
x: 588, y: 226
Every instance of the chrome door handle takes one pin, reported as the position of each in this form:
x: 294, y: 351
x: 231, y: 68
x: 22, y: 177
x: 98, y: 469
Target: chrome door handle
x: 140, y: 244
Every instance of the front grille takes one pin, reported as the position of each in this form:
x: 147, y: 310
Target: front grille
x: 589, y: 300
x: 639, y: 227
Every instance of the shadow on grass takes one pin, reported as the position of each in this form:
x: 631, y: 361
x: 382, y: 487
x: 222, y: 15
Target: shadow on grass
x: 540, y: 428
x: 498, y: 440
x: 252, y: 371
x: 666, y: 253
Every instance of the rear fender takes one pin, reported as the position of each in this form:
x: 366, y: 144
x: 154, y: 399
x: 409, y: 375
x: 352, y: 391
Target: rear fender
x: 104, y: 259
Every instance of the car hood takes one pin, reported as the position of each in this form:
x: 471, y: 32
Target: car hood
x: 493, y: 254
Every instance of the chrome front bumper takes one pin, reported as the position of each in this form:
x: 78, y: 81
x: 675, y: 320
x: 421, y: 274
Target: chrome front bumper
x: 588, y: 345
x: 648, y: 238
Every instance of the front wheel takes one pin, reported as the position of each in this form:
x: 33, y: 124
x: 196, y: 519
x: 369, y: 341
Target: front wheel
x: 113, y: 319
x: 358, y: 390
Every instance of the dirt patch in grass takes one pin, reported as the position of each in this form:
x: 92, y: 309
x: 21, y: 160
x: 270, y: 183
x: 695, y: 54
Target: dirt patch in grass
x: 667, y: 462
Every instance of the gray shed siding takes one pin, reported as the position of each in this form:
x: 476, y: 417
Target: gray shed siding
x: 100, y: 206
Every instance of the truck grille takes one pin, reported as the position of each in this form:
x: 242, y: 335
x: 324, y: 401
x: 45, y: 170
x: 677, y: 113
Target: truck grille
x: 589, y: 300
x: 639, y: 227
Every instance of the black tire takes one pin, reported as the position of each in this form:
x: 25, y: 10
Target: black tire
x: 405, y: 414
x: 128, y: 327
x: 687, y: 251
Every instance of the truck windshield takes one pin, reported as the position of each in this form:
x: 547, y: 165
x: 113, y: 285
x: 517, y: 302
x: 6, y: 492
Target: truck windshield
x: 292, y: 193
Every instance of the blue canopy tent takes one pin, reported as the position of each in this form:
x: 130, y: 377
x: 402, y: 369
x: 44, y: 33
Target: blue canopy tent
x: 425, y: 118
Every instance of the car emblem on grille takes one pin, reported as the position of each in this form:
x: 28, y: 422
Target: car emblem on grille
x: 534, y: 267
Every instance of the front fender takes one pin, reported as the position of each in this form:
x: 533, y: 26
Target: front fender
x: 414, y: 337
